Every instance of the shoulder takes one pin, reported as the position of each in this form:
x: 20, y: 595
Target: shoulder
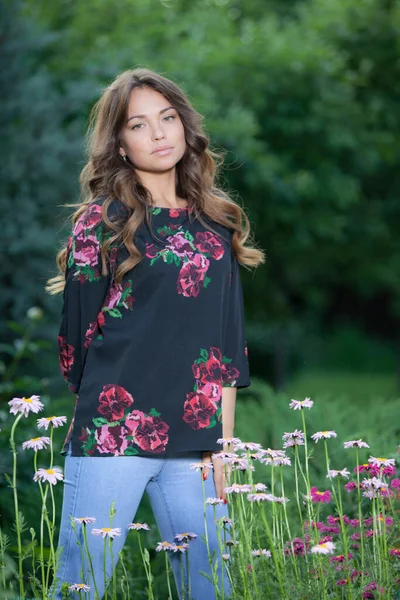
x: 116, y: 209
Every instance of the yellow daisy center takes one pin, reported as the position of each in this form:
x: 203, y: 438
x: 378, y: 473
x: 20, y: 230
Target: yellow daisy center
x: 381, y: 459
x: 320, y: 493
x: 106, y: 528
x: 34, y: 439
x: 27, y: 399
x: 324, y: 432
x: 50, y: 471
x: 49, y: 419
x: 322, y: 545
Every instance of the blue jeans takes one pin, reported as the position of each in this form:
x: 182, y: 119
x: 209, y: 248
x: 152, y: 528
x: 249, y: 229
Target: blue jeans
x: 175, y: 493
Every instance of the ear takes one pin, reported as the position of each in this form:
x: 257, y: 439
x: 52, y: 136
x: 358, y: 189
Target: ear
x: 122, y: 151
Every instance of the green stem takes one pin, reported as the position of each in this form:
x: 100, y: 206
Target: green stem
x: 360, y: 518
x: 105, y: 567
x: 85, y: 541
x: 168, y: 581
x: 15, y: 493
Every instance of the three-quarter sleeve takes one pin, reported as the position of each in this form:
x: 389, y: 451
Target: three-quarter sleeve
x: 84, y: 294
x: 235, y: 367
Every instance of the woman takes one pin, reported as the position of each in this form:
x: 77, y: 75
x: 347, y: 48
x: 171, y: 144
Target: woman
x: 152, y: 338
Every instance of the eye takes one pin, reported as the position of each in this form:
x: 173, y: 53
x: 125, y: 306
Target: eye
x: 173, y: 117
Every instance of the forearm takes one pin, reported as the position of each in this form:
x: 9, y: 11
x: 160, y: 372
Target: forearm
x: 228, y: 416
x: 228, y: 411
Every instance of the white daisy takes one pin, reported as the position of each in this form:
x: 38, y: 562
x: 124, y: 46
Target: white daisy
x: 51, y: 475
x: 55, y: 421
x: 110, y: 532
x: 25, y: 405
x: 38, y: 443
x: 260, y: 487
x: 214, y: 501
x: 300, y: 404
x: 79, y: 587
x: 325, y: 548
x: 201, y: 465
x: 374, y: 483
x: 138, y: 526
x: 334, y: 473
x: 262, y: 552
x: 323, y: 435
x: 261, y: 497
x: 238, y: 488
x: 231, y: 440
x: 164, y: 546
x: 355, y: 444
x: 85, y: 520
x: 382, y: 462
x: 252, y: 446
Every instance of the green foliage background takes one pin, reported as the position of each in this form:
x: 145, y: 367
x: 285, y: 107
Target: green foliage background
x: 303, y: 95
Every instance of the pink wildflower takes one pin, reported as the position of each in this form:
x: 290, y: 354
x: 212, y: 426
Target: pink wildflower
x: 323, y: 497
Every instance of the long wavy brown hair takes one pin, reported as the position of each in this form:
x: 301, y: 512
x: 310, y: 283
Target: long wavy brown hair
x: 108, y: 176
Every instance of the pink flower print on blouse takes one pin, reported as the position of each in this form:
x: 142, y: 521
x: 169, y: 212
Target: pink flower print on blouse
x: 191, y: 254
x: 230, y: 374
x: 112, y: 402
x: 88, y: 220
x: 133, y: 420
x: 212, y: 371
x: 192, y: 276
x: 151, y: 251
x: 198, y: 410
x: 180, y: 245
x: 119, y: 296
x: 86, y: 251
x: 207, y: 242
x: 152, y: 434
x: 94, y: 328
x: 111, y: 440
x: 66, y: 355
x: 207, y: 369
x: 119, y: 429
x: 84, y: 248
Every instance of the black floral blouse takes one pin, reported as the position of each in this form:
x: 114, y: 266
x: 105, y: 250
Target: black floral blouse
x: 148, y: 358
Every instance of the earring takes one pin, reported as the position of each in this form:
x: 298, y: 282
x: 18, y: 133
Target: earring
x: 124, y: 157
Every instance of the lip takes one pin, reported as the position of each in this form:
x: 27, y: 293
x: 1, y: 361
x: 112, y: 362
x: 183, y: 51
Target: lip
x: 162, y: 149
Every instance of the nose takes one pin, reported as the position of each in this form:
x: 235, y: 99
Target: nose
x: 158, y: 132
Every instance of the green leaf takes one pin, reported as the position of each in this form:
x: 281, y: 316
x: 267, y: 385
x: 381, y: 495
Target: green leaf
x: 153, y: 260
x: 169, y: 257
x: 206, y: 281
x: 154, y: 413
x: 213, y: 422
x: 204, y: 354
x: 99, y: 421
x: 188, y: 236
x: 131, y: 451
x: 115, y: 312
x: 177, y: 260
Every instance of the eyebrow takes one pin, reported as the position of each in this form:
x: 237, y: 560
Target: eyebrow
x: 144, y: 116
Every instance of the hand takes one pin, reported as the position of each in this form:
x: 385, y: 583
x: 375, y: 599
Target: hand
x: 218, y: 472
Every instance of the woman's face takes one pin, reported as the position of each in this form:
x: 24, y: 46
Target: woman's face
x: 151, y: 123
